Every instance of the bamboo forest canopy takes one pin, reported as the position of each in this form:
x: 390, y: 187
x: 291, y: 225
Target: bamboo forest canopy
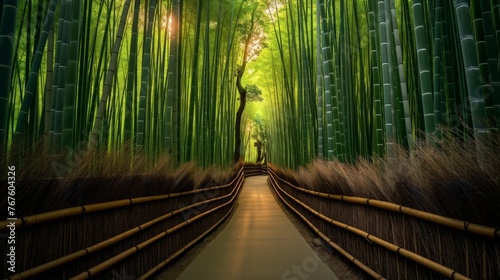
x: 331, y: 79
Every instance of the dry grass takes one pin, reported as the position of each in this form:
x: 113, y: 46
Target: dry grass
x: 46, y: 182
x: 450, y: 180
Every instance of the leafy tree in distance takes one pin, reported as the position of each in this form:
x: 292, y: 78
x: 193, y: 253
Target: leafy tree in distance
x: 259, y: 134
x: 254, y: 93
x: 252, y: 36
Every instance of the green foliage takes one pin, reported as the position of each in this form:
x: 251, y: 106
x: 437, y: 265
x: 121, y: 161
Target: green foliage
x: 94, y: 100
x: 386, y: 71
x: 254, y: 94
x: 332, y: 79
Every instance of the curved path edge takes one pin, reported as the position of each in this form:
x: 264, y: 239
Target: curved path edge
x: 258, y: 242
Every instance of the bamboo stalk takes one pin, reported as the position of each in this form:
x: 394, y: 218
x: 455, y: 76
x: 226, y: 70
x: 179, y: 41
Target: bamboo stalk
x: 7, y: 45
x: 106, y: 91
x: 439, y: 268
x: 477, y: 229
x: 34, y: 72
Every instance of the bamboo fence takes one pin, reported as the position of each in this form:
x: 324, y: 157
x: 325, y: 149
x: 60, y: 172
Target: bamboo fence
x: 411, y: 244
x: 255, y: 169
x: 119, y: 238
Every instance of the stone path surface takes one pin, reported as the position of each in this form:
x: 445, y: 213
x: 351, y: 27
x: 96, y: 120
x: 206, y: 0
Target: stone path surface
x: 259, y: 242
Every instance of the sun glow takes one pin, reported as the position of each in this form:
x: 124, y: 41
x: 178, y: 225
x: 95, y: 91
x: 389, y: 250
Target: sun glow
x: 272, y: 10
x: 166, y: 22
x: 257, y: 43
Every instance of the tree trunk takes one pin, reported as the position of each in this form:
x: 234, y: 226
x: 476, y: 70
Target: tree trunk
x: 239, y: 113
x: 243, y: 93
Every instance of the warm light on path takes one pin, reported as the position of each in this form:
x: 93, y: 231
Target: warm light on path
x: 259, y: 242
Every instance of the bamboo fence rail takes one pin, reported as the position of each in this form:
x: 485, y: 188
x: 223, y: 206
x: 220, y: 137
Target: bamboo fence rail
x: 183, y: 249
x: 108, y: 263
x: 255, y: 169
x: 437, y: 219
x: 202, y: 210
x: 346, y: 254
x: 477, y: 231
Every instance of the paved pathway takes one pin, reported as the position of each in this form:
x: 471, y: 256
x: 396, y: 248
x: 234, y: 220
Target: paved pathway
x: 259, y: 242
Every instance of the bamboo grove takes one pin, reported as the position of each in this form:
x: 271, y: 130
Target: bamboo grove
x: 385, y: 73
x: 152, y: 77
x: 338, y: 79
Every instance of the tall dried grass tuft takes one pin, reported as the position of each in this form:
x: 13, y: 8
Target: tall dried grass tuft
x: 47, y: 182
x: 458, y: 179
x: 212, y: 176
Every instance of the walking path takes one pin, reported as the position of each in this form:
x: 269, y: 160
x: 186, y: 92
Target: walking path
x: 259, y: 242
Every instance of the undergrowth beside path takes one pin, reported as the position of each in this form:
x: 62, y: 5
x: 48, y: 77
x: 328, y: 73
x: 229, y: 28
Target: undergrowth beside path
x: 450, y: 180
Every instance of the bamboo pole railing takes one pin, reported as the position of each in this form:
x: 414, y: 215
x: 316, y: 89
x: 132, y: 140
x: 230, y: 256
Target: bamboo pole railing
x: 113, y: 240
x: 432, y: 265
x: 255, y: 169
x: 339, y: 249
x: 33, y: 220
x: 263, y: 169
x: 477, y: 229
x: 162, y: 264
x: 112, y: 261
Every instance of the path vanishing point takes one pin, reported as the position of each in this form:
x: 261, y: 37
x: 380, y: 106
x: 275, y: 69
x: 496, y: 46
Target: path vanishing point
x: 258, y: 242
